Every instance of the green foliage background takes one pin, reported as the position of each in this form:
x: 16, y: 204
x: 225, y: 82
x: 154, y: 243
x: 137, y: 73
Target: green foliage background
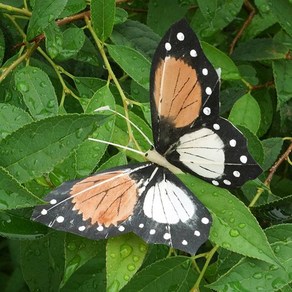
x: 62, y: 59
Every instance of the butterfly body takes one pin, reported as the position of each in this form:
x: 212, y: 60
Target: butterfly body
x: 147, y: 198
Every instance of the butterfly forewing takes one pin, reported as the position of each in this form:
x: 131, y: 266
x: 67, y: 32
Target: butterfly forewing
x: 145, y: 199
x: 181, y: 83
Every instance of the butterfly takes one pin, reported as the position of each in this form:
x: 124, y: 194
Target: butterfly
x: 147, y: 198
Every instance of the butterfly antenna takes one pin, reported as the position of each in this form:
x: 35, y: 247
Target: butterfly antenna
x: 107, y: 108
x: 117, y: 145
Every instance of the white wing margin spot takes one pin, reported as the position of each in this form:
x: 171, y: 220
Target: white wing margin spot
x: 166, y: 203
x: 202, y: 151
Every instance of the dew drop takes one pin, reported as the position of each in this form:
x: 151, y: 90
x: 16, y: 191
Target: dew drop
x: 125, y: 250
x: 113, y: 255
x: 71, y: 246
x: 257, y: 275
x: 234, y: 233
x: 231, y: 220
x: 226, y: 245
x: 273, y: 267
x: 276, y: 248
x: 136, y: 258
x: 241, y: 225
x: 22, y: 86
x: 126, y: 277
x: 278, y: 283
x: 131, y: 267
x: 142, y: 247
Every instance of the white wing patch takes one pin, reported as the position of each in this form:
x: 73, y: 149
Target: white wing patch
x: 167, y: 203
x: 202, y: 152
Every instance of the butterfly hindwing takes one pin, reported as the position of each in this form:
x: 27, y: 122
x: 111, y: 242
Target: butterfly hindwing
x: 217, y: 152
x: 181, y: 83
x: 145, y: 199
x: 169, y: 213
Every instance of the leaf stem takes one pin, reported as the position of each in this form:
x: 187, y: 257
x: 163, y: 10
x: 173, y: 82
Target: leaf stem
x: 9, y: 8
x: 209, y: 256
x: 125, y: 101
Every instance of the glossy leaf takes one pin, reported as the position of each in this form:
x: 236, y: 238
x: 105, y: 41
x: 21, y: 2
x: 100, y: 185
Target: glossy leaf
x: 102, y: 15
x: 272, y: 148
x: 44, y: 12
x: 234, y: 227
x: 11, y: 119
x: 282, y: 70
x: 137, y: 36
x: 278, y: 233
x: 246, y: 112
x: 73, y: 7
x: 17, y: 227
x: 260, y: 49
x: 160, y: 16
x: 37, y: 91
x: 43, y: 257
x: 13, y: 195
x: 54, y: 40
x: 124, y: 256
x: 78, y: 251
x: 251, y: 274
x: 171, y: 274
x: 120, y: 16
x: 220, y: 60
x: 51, y: 140
x: 113, y: 161
x: 282, y: 10
x: 126, y: 58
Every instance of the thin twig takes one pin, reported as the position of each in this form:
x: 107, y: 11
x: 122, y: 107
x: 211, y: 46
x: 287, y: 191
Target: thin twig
x: 273, y: 169
x: 252, y: 11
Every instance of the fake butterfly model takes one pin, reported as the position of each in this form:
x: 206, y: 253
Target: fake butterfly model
x: 148, y: 199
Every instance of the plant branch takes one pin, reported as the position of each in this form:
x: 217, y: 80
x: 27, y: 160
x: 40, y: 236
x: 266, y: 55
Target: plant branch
x: 209, y: 256
x: 9, y: 8
x: 252, y: 11
x: 114, y: 78
x: 273, y: 169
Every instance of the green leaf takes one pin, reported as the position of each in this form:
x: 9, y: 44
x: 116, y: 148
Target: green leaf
x: 50, y: 141
x: 37, y: 91
x: 54, y: 39
x: 220, y: 60
x: 137, y: 36
x: 125, y: 57
x: 251, y: 274
x: 282, y: 71
x: 282, y: 10
x: 73, y: 7
x: 11, y: 119
x: 246, y: 112
x: 124, y: 257
x: 13, y: 195
x: 73, y: 40
x: 44, y: 13
x: 44, y: 258
x: 161, y: 16
x: 208, y: 8
x: 260, y: 49
x: 78, y: 251
x: 171, y: 274
x: 15, y: 226
x: 272, y: 148
x: 224, y: 14
x: 115, y: 160
x: 280, y: 232
x: 103, y: 15
x: 254, y: 145
x: 120, y: 16
x: 2, y: 46
x: 234, y: 227
x: 264, y: 99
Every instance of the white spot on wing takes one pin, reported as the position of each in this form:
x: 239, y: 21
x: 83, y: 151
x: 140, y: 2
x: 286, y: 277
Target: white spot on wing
x: 53, y: 201
x: 60, y: 219
x: 236, y: 173
x: 81, y: 228
x: 44, y: 212
x: 167, y: 46
x: 227, y: 182
x: 208, y: 90
x: 205, y: 220
x: 184, y: 242
x: 197, y: 233
x: 215, y: 183
x: 207, y: 111
x: 243, y: 159
x: 180, y: 36
x: 216, y: 127
x: 152, y: 231
x: 121, y: 228
x: 99, y: 228
x: 232, y: 143
x: 166, y: 236
x: 205, y: 71
x: 193, y: 53
x: 141, y: 225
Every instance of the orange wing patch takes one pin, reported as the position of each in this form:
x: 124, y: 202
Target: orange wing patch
x: 106, y: 199
x: 177, y: 92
